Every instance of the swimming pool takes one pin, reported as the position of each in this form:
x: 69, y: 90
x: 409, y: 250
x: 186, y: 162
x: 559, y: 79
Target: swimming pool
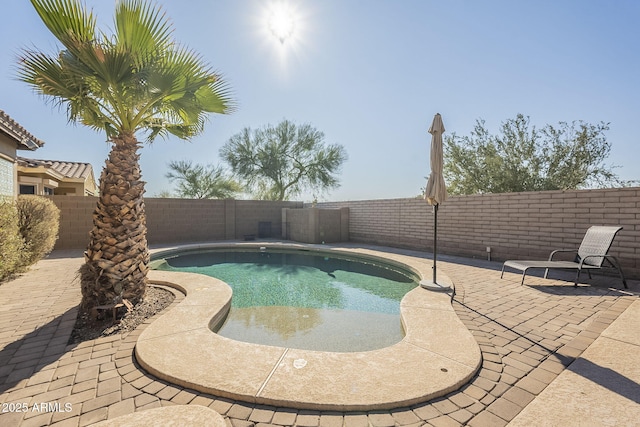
x: 436, y: 356
x: 304, y: 299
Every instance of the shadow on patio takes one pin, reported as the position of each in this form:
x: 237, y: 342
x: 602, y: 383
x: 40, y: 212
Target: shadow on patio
x: 27, y: 357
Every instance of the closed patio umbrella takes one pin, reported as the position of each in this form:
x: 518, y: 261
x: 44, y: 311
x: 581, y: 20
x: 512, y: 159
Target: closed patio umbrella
x: 435, y: 193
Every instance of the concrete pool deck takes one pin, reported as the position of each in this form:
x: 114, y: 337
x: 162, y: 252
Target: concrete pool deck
x: 552, y: 355
x: 437, y: 355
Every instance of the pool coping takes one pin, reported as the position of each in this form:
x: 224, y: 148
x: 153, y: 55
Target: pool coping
x: 437, y: 355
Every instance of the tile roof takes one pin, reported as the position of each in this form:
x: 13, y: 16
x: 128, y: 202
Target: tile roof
x: 68, y: 169
x: 24, y: 139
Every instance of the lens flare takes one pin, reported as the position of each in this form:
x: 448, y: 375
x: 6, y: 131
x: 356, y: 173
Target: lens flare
x: 281, y: 22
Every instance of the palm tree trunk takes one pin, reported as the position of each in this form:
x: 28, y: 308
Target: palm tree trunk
x: 117, y: 258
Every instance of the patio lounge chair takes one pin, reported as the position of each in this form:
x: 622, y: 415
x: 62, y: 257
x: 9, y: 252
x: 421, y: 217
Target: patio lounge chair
x: 592, y: 254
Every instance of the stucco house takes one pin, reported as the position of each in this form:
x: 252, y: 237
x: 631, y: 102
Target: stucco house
x: 21, y: 175
x: 49, y: 177
x: 13, y: 137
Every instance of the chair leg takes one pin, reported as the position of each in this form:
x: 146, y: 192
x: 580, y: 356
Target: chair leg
x: 524, y: 272
x: 624, y: 281
x: 575, y: 284
x: 546, y: 272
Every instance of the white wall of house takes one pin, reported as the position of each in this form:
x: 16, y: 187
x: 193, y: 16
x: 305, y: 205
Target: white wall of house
x: 8, y: 168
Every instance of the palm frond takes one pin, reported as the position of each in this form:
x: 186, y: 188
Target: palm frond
x: 68, y: 20
x: 216, y: 96
x: 141, y: 28
x: 195, y: 80
x: 45, y: 75
x: 184, y: 89
x: 163, y: 128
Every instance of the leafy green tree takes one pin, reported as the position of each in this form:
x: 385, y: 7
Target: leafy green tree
x: 523, y: 158
x: 134, y: 80
x: 201, y: 182
x: 279, y: 162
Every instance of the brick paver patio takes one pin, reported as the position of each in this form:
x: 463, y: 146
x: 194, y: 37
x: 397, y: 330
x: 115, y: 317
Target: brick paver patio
x: 527, y: 334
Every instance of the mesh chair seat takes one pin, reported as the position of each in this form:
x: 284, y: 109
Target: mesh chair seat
x: 591, y: 255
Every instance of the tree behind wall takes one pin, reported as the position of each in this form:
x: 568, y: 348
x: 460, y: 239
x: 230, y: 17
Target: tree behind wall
x: 279, y: 162
x: 201, y: 182
x: 523, y: 158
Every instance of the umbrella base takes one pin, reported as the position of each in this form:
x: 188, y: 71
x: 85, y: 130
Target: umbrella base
x: 439, y: 286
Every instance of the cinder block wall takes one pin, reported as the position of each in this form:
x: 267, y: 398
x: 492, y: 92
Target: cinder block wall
x: 76, y: 216
x: 297, y: 225
x: 314, y: 225
x: 329, y: 225
x: 176, y: 220
x: 513, y: 225
x: 249, y: 213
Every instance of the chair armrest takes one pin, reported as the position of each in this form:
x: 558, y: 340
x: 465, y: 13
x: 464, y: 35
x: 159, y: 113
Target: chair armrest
x: 607, y: 257
x: 575, y: 251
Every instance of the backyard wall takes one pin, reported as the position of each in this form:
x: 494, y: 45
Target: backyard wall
x: 177, y: 220
x: 314, y: 225
x: 513, y: 225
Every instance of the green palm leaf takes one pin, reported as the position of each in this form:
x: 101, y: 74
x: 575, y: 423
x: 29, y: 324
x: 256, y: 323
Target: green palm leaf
x: 137, y: 79
x: 67, y: 20
x: 141, y: 28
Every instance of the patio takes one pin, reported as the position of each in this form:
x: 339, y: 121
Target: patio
x: 545, y: 346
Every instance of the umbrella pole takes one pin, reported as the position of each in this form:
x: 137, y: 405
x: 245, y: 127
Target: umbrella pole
x: 433, y: 285
x: 435, y: 240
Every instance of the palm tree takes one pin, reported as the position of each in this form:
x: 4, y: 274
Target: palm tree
x: 134, y: 80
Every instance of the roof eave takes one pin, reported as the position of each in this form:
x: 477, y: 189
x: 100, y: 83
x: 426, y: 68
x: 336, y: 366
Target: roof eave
x: 44, y: 170
x: 23, y: 139
x: 29, y: 144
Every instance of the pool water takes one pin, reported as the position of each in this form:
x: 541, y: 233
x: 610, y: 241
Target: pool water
x: 305, y: 300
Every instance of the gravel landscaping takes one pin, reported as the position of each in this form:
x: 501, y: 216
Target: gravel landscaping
x: 155, y: 300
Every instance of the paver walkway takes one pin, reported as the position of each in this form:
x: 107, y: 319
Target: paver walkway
x: 528, y: 335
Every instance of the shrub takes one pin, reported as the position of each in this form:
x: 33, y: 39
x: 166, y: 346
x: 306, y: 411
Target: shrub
x: 39, y: 220
x: 11, y: 242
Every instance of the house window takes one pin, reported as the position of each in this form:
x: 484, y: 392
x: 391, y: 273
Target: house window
x: 27, y: 189
x: 48, y: 191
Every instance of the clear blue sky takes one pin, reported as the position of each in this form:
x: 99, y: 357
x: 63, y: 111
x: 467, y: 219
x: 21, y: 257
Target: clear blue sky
x: 371, y: 74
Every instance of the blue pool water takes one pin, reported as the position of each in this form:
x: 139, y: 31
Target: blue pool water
x: 303, y: 299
